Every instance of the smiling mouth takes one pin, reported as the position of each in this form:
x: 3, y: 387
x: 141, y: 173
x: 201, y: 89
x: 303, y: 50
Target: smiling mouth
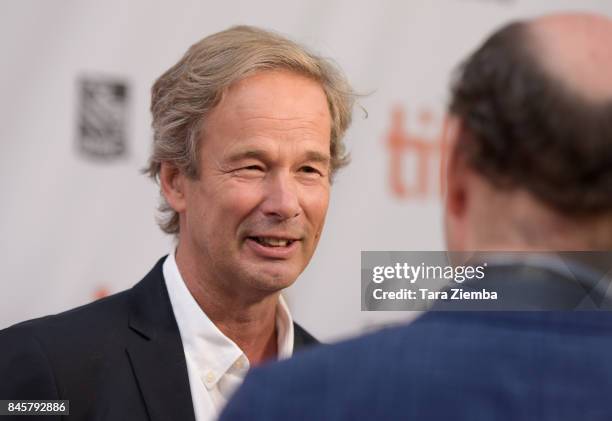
x: 273, y: 242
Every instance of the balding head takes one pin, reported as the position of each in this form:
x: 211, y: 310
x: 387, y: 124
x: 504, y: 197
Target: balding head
x: 534, y: 104
x: 576, y: 49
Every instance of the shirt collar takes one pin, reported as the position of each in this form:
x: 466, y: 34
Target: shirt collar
x: 284, y: 329
x: 213, y: 352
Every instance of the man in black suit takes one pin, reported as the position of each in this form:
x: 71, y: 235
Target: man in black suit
x: 530, y: 169
x: 248, y: 131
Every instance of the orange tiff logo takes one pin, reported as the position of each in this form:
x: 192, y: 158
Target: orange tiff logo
x: 417, y: 158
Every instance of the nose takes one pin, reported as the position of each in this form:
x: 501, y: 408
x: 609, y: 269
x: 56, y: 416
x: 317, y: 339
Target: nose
x: 281, y: 199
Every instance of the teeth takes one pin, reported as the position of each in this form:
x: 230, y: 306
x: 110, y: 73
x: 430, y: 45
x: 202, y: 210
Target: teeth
x: 273, y: 242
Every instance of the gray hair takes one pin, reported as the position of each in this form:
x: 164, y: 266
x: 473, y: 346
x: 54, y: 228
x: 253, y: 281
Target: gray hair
x: 182, y: 97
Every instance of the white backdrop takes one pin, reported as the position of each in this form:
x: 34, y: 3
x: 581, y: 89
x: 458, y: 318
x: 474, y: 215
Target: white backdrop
x: 73, y: 228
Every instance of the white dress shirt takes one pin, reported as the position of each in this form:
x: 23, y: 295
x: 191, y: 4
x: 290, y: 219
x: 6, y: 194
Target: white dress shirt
x: 215, y: 364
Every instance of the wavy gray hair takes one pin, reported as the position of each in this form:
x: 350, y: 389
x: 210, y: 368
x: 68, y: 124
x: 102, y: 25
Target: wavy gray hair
x: 182, y: 97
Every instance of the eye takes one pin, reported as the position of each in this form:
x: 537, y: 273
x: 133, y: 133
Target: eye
x: 307, y: 169
x: 253, y: 168
x: 250, y: 171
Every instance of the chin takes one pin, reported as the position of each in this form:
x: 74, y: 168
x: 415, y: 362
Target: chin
x: 274, y: 280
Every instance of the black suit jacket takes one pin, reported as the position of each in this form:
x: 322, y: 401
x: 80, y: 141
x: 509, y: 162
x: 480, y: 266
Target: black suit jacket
x: 119, y: 358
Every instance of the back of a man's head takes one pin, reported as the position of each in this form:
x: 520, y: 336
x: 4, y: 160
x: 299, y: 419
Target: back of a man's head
x: 531, y: 162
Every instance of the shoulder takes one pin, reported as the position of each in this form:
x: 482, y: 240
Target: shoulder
x: 312, y: 377
x: 35, y: 352
x: 97, y: 315
x: 100, y: 318
x: 360, y: 378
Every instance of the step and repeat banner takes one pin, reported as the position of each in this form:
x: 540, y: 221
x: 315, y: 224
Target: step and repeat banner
x: 77, y: 219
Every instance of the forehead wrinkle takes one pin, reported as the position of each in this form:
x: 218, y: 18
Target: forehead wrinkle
x: 255, y: 113
x: 278, y: 118
x: 279, y: 123
x: 244, y: 131
x: 300, y: 128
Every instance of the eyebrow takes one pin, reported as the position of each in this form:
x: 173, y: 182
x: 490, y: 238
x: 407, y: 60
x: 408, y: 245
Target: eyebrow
x: 318, y: 157
x: 249, y: 153
x: 261, y: 155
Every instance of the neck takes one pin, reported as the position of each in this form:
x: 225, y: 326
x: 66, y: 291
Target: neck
x: 533, y: 234
x: 252, y: 328
x: 515, y: 220
x: 249, y: 321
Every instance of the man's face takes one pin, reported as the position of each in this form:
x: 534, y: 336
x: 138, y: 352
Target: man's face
x: 255, y: 215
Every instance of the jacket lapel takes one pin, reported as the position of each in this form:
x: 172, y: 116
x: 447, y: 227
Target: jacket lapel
x: 301, y: 338
x: 156, y: 352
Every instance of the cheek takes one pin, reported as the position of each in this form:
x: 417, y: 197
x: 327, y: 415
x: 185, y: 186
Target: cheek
x: 221, y: 208
x: 315, y: 203
x: 238, y: 200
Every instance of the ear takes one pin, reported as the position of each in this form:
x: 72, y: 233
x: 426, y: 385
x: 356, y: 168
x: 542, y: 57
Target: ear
x: 457, y: 180
x: 172, y: 183
x: 457, y: 189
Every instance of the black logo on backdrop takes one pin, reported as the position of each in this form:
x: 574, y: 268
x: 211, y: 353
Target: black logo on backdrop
x: 102, y: 118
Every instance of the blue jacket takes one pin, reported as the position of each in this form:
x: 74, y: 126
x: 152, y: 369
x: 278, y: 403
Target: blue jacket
x: 530, y: 365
